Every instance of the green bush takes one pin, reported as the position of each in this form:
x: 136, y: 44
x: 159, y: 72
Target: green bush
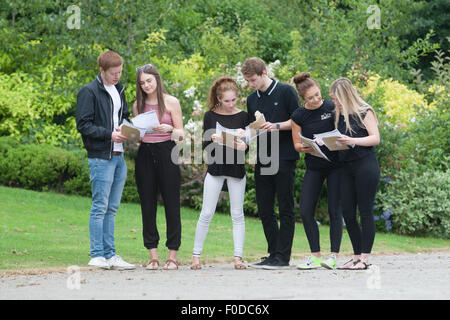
x: 45, y: 167
x: 130, y: 193
x: 37, y: 167
x: 417, y: 202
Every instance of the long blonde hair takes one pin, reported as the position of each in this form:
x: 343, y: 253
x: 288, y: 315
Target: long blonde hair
x: 350, y: 101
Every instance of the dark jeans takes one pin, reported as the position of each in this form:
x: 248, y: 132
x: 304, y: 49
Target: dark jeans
x: 311, y: 188
x: 279, y: 239
x: 155, y: 172
x: 359, y: 181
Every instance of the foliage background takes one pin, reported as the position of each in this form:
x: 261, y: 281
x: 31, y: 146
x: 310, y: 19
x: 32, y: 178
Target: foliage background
x: 400, y: 67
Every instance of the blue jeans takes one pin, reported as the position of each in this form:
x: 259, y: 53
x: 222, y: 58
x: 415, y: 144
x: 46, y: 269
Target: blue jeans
x: 107, y: 180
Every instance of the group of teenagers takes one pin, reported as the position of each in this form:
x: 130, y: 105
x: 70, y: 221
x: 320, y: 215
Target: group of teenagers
x: 351, y: 175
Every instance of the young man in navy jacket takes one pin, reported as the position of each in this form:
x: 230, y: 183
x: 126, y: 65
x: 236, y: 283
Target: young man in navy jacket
x: 101, y: 108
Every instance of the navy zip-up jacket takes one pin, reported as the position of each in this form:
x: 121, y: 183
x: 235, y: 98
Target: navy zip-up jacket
x: 94, y: 117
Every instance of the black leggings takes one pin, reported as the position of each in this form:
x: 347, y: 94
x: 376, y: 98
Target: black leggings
x: 155, y: 172
x: 359, y: 181
x: 311, y: 188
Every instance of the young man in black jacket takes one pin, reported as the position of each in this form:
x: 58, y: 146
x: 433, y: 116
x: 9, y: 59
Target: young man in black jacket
x: 101, y: 108
x: 276, y: 101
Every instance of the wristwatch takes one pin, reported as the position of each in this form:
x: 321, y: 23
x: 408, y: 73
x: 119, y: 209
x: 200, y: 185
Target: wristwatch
x: 277, y: 125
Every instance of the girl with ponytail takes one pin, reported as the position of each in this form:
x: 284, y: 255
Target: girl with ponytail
x: 317, y: 116
x: 223, y: 97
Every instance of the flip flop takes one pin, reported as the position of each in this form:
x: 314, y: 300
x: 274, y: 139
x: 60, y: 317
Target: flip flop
x: 238, y: 265
x: 347, y: 268
x: 169, y: 261
x: 196, y: 266
x: 150, y: 267
x: 366, y: 265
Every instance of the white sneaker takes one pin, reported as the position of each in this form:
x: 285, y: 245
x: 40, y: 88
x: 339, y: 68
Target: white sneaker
x: 117, y: 263
x: 99, y: 262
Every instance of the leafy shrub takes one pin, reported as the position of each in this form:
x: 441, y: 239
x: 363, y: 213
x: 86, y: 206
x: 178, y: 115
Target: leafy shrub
x: 397, y: 102
x: 6, y: 144
x: 417, y: 202
x: 45, y: 167
x: 130, y: 193
x: 37, y: 167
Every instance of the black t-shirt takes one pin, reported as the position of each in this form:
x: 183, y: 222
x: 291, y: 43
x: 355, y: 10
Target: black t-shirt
x: 316, y: 121
x: 358, y: 131
x: 236, y: 168
x: 277, y: 104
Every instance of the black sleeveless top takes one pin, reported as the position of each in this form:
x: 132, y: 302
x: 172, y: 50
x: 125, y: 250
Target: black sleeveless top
x: 358, y: 131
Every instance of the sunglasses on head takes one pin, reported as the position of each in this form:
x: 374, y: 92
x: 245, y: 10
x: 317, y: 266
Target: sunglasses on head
x: 149, y: 65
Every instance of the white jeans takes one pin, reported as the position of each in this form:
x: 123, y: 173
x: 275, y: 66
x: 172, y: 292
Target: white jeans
x: 211, y: 191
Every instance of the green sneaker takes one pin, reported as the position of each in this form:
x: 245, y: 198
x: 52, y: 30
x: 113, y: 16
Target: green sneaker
x: 330, y: 263
x: 311, y: 263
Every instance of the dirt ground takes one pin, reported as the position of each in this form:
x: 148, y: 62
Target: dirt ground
x: 420, y: 276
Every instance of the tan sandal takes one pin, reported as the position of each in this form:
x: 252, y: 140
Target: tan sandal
x: 196, y: 266
x: 238, y: 264
x: 150, y: 266
x: 168, y: 262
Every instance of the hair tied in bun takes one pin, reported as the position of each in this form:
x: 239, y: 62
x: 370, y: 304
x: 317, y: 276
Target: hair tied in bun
x: 302, y: 76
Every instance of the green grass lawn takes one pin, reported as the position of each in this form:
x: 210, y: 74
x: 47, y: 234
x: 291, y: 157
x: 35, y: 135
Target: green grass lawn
x: 43, y: 230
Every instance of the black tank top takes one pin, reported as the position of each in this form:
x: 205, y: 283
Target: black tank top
x: 358, y: 131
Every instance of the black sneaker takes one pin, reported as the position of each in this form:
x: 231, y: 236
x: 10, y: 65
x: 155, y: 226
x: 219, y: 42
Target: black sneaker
x: 276, y: 265
x: 264, y: 261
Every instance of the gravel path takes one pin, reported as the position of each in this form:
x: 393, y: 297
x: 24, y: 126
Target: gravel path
x: 404, y: 276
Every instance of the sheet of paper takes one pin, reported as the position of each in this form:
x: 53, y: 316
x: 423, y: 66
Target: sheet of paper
x: 260, y: 120
x: 311, y: 143
x: 330, y: 140
x: 131, y: 131
x: 229, y: 136
x: 146, y: 121
x: 251, y: 133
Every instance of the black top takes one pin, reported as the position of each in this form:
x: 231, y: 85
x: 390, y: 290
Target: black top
x: 234, y: 168
x: 316, y: 121
x: 358, y: 131
x: 277, y: 104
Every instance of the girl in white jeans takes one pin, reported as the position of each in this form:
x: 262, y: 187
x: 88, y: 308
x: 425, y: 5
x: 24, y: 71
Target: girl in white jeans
x: 211, y: 191
x: 225, y: 164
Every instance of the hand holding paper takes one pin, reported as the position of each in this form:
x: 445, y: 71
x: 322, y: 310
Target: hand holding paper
x: 131, y: 131
x: 260, y: 120
x: 118, y: 136
x: 146, y: 121
x: 316, y: 150
x: 142, y: 124
x: 332, y: 140
x: 228, y: 137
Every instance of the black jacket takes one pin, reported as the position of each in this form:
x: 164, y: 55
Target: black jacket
x: 94, y: 116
